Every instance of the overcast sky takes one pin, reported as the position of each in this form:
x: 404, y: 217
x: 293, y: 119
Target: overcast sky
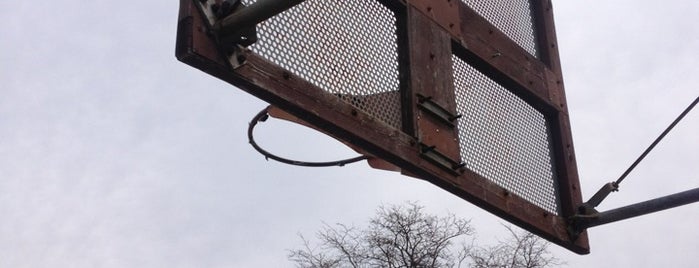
x: 114, y: 154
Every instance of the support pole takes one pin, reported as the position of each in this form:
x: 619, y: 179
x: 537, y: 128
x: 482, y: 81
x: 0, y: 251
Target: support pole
x: 643, y: 208
x: 253, y: 14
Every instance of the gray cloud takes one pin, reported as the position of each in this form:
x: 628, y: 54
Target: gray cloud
x: 113, y: 154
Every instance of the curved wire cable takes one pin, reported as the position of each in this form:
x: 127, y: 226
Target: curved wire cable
x: 263, y: 116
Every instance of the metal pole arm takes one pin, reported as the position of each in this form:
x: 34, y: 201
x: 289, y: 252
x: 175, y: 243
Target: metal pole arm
x: 654, y: 205
x: 647, y: 207
x: 253, y: 14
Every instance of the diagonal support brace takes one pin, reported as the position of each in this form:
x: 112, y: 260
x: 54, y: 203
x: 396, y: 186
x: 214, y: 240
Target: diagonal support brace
x: 253, y: 14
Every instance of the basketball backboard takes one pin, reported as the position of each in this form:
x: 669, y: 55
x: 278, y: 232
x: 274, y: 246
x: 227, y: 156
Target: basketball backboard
x: 467, y: 95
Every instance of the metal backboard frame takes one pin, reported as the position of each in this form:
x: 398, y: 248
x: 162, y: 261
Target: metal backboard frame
x: 432, y: 39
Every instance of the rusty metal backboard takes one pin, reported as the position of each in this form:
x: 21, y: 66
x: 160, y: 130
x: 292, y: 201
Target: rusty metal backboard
x: 504, y: 139
x: 465, y: 94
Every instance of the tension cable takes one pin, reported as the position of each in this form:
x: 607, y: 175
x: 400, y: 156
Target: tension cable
x: 596, y: 199
x: 587, y: 216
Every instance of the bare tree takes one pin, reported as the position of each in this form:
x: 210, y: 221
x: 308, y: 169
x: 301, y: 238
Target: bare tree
x: 406, y: 236
x: 521, y: 250
x: 398, y: 236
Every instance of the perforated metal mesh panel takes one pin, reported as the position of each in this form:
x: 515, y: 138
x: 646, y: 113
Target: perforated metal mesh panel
x: 348, y: 48
x: 504, y: 139
x: 513, y: 17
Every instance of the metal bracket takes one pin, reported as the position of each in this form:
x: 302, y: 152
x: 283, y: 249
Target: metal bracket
x: 577, y: 224
x: 229, y: 42
x: 430, y: 153
x: 239, y: 26
x: 428, y: 105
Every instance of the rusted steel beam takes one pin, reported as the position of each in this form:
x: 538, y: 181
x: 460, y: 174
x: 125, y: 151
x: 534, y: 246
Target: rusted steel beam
x: 564, y: 152
x: 431, y: 83
x: 442, y: 12
x: 542, y: 11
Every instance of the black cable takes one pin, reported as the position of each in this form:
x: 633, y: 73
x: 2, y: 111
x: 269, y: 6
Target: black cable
x: 261, y: 117
x: 657, y: 140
